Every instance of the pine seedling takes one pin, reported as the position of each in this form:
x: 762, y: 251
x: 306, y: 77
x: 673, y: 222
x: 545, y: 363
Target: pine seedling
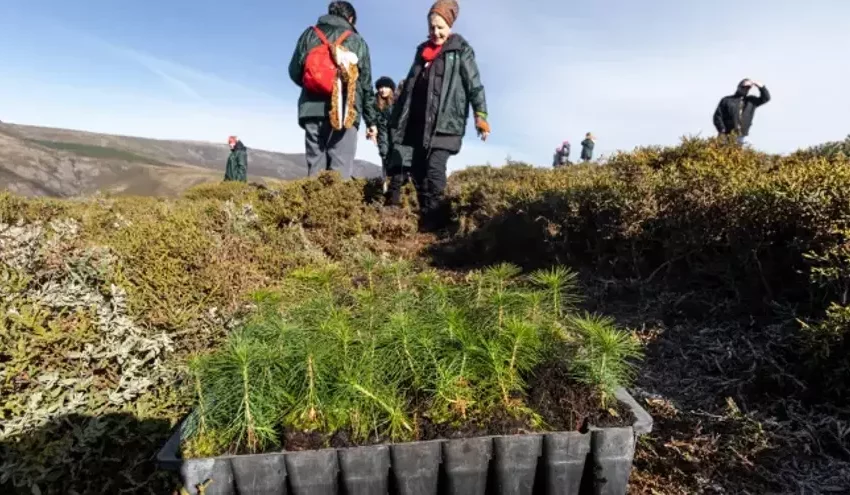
x: 499, y: 278
x: 399, y: 271
x: 313, y: 360
x: 369, y: 263
x: 195, y: 371
x: 392, y: 406
x: 268, y: 302
x: 402, y: 339
x: 453, y: 393
x: 318, y: 280
x: 368, y: 314
x: 477, y: 281
x: 561, y: 285
x: 534, y: 303
x: 337, y: 327
x: 514, y: 353
x: 603, y: 356
x: 243, y: 397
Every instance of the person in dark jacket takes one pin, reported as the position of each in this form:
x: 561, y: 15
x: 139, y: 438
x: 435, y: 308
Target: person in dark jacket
x: 734, y: 113
x: 326, y: 148
x: 237, y: 162
x: 587, y: 147
x: 385, y: 89
x: 429, y: 118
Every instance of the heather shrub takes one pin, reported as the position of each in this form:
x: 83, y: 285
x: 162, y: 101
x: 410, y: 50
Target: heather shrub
x: 704, y: 216
x: 837, y: 150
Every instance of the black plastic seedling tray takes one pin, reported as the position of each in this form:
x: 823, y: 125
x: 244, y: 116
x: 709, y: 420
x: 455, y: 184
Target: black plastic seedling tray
x: 567, y: 463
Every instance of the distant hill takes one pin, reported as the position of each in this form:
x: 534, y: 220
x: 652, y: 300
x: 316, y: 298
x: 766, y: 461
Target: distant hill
x: 41, y: 161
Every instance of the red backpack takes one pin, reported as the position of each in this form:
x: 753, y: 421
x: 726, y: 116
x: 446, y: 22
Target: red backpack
x: 320, y: 70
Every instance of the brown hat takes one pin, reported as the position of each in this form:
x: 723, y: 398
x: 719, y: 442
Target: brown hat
x: 447, y: 9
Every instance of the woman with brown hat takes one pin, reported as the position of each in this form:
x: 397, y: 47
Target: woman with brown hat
x: 430, y: 115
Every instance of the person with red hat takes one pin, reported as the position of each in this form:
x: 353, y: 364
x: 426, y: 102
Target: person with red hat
x: 429, y: 118
x: 237, y: 162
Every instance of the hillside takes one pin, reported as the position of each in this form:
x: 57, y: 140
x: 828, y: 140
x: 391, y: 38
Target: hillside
x: 729, y: 266
x: 41, y: 161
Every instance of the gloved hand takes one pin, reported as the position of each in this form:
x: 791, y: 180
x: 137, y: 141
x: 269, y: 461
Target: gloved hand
x: 482, y: 127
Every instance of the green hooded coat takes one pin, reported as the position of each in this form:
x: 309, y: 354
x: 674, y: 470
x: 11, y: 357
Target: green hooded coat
x: 237, y: 163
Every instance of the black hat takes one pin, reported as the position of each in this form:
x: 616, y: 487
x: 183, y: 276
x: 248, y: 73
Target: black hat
x: 385, y: 82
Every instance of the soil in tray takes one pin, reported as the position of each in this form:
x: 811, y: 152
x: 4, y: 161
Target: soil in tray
x: 563, y: 404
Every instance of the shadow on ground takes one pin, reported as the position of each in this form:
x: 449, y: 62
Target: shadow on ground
x: 77, y: 454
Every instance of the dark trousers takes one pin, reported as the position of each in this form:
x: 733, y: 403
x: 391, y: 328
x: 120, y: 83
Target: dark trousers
x: 398, y: 178
x: 429, y: 175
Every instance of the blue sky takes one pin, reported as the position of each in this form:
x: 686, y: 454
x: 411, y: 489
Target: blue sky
x: 633, y: 73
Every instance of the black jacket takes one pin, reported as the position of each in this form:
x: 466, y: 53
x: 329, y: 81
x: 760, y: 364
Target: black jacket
x: 452, y: 84
x: 735, y: 112
x: 383, y: 129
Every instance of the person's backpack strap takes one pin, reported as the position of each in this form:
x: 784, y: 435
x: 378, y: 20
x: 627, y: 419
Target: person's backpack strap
x: 321, y: 35
x: 324, y: 39
x: 342, y: 38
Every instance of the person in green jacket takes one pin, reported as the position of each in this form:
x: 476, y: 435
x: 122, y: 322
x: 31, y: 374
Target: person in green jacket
x: 326, y: 148
x: 237, y: 162
x: 429, y: 118
x: 587, y: 147
x: 385, y: 89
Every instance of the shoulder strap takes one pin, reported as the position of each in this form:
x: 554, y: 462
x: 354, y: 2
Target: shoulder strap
x: 342, y: 38
x: 321, y: 36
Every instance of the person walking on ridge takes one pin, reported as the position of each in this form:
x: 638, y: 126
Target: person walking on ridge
x: 587, y: 147
x: 429, y: 119
x: 734, y: 113
x: 562, y: 155
x: 331, y: 65
x: 237, y: 162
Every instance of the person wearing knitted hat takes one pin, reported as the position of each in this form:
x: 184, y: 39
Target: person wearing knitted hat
x: 237, y: 161
x: 430, y: 116
x: 385, y: 91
